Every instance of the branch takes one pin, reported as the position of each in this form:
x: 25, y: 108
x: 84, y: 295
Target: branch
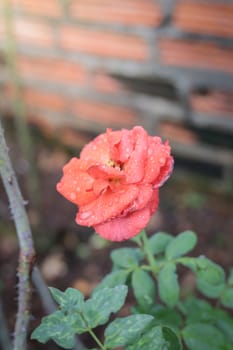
x: 27, y: 252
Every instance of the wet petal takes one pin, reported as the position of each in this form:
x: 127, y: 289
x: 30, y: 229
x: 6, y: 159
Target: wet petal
x: 114, y: 138
x: 107, y: 206
x: 121, y: 145
x: 100, y: 186
x: 126, y: 227
x: 123, y: 228
x: 142, y: 200
x: 76, y: 184
x: 134, y: 168
x: 158, y: 157
x: 165, y: 172
x: 97, y: 151
x: 105, y: 172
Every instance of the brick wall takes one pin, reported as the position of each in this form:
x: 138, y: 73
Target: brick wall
x: 91, y: 64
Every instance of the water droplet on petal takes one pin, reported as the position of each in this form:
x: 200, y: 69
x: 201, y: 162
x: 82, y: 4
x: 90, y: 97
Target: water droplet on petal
x: 85, y: 215
x: 72, y: 196
x: 162, y: 160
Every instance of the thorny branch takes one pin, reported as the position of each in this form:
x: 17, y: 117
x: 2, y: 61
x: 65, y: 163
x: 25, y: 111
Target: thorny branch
x: 27, y: 252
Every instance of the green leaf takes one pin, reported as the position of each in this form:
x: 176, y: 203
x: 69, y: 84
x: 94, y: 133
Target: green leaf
x: 158, y: 242
x: 71, y: 300
x: 56, y: 327
x: 181, y: 245
x: 166, y: 316
x: 197, y: 310
x: 98, y: 308
x: 189, y: 262
x: 230, y: 278
x: 225, y: 323
x: 209, y: 290
x: 210, y: 271
x: 157, y: 338
x: 126, y: 257
x: 171, y: 337
x: 201, y: 336
x: 168, y: 285
x: 210, y: 278
x: 113, y: 279
x: 144, y: 288
x: 125, y: 331
x: 227, y: 297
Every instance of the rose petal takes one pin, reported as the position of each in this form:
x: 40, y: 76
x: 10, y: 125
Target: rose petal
x: 126, y: 227
x: 97, y: 151
x: 100, y: 186
x: 114, y: 138
x: 144, y: 197
x: 121, y: 145
x: 107, y: 206
x: 105, y: 172
x: 123, y: 228
x: 165, y: 172
x: 134, y: 167
x: 158, y: 157
x: 76, y: 184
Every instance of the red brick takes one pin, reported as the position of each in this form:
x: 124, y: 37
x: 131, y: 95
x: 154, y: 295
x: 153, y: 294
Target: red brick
x: 104, y: 114
x: 214, y: 102
x: 205, y: 18
x: 46, y: 100
x: 177, y: 133
x: 105, y: 83
x: 72, y: 138
x: 33, y: 32
x: 41, y: 122
x: 51, y: 70
x: 125, y: 12
x: 51, y: 8
x: 196, y: 54
x: 103, y: 43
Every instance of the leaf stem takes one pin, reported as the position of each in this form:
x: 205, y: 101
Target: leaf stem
x: 96, y: 339
x: 148, y: 253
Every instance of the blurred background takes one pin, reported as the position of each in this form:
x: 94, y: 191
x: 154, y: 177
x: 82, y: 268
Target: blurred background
x: 71, y: 68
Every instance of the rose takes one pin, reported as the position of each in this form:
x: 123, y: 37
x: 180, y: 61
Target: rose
x: 115, y: 181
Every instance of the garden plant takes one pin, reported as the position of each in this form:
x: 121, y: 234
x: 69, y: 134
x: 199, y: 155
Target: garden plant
x: 115, y: 184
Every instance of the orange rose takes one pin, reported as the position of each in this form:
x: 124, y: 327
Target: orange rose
x: 115, y: 181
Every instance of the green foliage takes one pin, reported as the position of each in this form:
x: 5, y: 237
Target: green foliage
x: 113, y: 279
x: 57, y: 327
x: 125, y: 331
x: 166, y: 316
x: 97, y: 309
x: 227, y: 297
x: 210, y: 278
x: 126, y: 257
x: 158, y: 321
x: 76, y: 316
x: 230, y: 279
x: 144, y: 288
x: 200, y: 336
x: 158, y: 242
x: 157, y: 338
x: 181, y: 245
x: 168, y: 284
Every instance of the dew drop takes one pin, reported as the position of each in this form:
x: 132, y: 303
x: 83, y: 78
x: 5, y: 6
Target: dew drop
x: 85, y: 215
x: 72, y: 196
x: 162, y: 160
